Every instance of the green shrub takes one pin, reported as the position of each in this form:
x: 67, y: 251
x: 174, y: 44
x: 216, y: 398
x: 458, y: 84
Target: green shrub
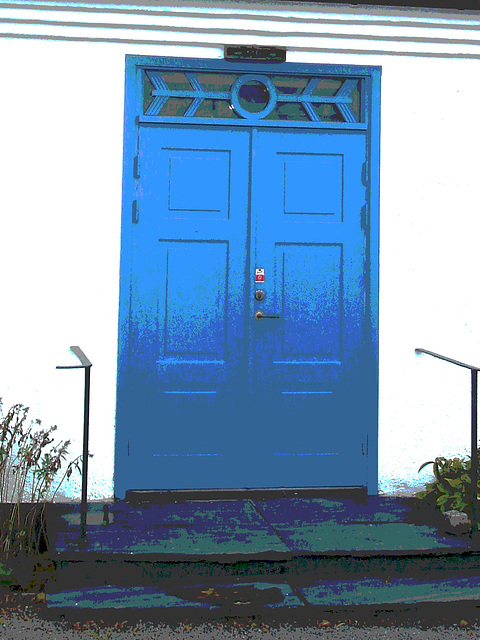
x: 451, y: 488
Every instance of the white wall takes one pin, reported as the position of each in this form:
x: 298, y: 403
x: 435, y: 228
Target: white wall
x: 429, y: 262
x: 61, y: 129
x: 61, y: 175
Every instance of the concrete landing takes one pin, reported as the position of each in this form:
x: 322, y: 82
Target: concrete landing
x: 248, y: 528
x: 256, y: 597
x: 242, y: 556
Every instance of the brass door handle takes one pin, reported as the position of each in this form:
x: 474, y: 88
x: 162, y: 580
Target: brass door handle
x: 259, y: 315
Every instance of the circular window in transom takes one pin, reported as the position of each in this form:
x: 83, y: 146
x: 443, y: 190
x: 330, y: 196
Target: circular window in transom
x: 253, y: 96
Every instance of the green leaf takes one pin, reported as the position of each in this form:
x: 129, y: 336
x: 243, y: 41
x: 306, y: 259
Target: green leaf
x: 6, y: 577
x: 456, y: 483
x: 425, y: 464
x: 443, y: 499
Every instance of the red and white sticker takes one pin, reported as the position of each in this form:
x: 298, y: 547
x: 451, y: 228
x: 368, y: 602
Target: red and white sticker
x: 259, y: 275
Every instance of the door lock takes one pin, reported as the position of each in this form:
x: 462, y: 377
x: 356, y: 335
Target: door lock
x: 259, y: 294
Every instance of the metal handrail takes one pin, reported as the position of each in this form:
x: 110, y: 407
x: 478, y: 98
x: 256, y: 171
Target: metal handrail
x: 85, y: 364
x: 474, y: 433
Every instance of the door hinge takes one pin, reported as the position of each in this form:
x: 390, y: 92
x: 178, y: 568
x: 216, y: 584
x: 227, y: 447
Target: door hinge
x: 365, y: 176
x: 136, y: 168
x: 365, y: 217
x: 128, y: 447
x: 135, y: 212
x: 365, y: 447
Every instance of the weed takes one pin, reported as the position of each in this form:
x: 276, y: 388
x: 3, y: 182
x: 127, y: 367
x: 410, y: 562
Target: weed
x: 451, y: 488
x: 30, y: 463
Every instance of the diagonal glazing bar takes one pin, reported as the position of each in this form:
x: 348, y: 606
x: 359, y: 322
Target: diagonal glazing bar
x: 342, y: 99
x: 192, y: 108
x: 156, y: 105
x: 347, y: 87
x: 346, y: 112
x: 311, y: 86
x: 159, y: 100
x: 194, y: 81
x: 197, y: 101
x: 346, y: 91
x: 312, y: 114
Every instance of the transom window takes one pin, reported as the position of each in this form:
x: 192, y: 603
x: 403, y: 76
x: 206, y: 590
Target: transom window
x: 251, y: 97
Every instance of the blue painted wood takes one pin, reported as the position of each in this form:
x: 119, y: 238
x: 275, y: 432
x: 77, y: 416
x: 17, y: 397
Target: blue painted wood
x: 290, y: 124
x: 125, y: 391
x: 209, y: 397
x: 307, y: 196
x: 197, y: 92
x: 342, y: 98
x: 187, y: 320
x: 205, y: 421
x: 209, y: 64
x: 372, y: 106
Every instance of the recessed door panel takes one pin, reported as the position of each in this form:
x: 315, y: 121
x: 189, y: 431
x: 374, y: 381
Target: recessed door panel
x: 198, y: 328
x: 303, y: 175
x: 309, y: 290
x: 207, y: 174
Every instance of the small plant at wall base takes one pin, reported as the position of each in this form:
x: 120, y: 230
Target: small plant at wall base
x: 30, y: 463
x: 451, y: 488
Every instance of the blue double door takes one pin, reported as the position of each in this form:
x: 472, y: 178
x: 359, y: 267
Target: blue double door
x: 233, y: 222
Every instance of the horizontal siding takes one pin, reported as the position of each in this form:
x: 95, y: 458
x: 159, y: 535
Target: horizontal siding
x: 313, y: 29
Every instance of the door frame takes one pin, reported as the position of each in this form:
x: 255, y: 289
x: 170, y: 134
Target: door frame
x: 370, y: 98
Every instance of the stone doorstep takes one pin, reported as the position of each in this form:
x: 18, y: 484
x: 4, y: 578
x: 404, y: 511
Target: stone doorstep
x: 247, y: 597
x: 249, y: 528
x: 179, y: 583
x: 100, y: 563
x: 299, y: 570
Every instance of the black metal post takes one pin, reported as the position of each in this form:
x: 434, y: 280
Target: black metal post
x: 474, y: 438
x: 86, y: 418
x: 474, y: 456
x: 85, y: 364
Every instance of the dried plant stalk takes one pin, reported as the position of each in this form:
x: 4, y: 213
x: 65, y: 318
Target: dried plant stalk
x: 29, y: 466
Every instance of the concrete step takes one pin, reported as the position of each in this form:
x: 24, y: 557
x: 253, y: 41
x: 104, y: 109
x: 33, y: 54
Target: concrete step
x: 148, y: 572
x: 252, y: 529
x: 282, y: 553
x: 256, y: 597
